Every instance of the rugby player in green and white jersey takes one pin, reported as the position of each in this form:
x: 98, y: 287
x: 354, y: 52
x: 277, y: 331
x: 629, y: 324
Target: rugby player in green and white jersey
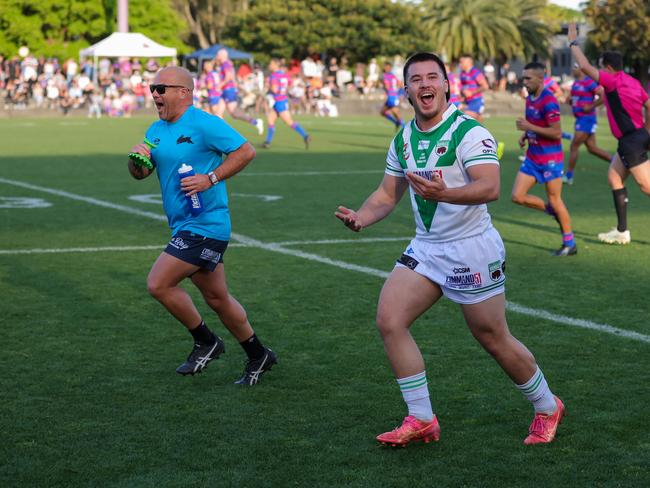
x: 448, y: 163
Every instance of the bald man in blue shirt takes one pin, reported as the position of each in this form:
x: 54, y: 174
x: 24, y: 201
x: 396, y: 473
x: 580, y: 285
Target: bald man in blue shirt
x: 185, y: 135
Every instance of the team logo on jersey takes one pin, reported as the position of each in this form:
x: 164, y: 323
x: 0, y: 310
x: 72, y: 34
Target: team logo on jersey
x: 489, y: 143
x: 496, y: 270
x: 423, y: 145
x: 405, y: 151
x: 183, y: 139
x: 442, y: 146
x: 156, y: 141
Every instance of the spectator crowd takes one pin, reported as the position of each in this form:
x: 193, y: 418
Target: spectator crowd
x: 120, y: 87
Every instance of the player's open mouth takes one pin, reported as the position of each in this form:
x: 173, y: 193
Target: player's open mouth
x: 159, y: 105
x: 427, y: 98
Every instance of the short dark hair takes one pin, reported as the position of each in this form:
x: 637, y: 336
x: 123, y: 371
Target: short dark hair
x: 613, y: 59
x: 423, y: 56
x: 536, y: 65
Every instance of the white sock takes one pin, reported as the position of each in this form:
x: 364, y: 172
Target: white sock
x: 416, y: 395
x: 538, y: 393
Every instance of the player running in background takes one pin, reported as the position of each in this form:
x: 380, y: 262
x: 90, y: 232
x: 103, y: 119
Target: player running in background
x: 472, y: 86
x: 278, y: 84
x: 390, y: 109
x: 627, y: 103
x: 455, y: 97
x: 211, y: 80
x: 229, y: 90
x: 544, y: 162
x: 186, y: 135
x: 584, y: 98
x: 447, y: 161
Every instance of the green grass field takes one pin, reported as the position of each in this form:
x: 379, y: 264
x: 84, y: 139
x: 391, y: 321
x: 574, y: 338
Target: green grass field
x: 90, y: 396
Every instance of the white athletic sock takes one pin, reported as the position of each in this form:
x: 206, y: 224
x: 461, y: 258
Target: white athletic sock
x: 416, y: 395
x: 538, y: 393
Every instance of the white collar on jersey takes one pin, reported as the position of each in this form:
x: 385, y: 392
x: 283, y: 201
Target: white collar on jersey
x: 450, y: 110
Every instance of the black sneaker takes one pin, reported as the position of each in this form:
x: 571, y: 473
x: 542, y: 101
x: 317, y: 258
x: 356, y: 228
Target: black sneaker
x: 566, y: 251
x: 200, y: 356
x: 257, y: 367
x: 307, y: 140
x: 266, y: 145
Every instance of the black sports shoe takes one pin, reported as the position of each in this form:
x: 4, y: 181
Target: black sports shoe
x: 257, y: 367
x: 200, y: 356
x: 307, y: 140
x: 266, y: 145
x: 566, y: 251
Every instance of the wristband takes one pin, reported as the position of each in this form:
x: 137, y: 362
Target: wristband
x: 573, y: 43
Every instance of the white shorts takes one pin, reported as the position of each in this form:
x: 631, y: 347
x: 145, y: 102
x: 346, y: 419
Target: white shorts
x: 467, y: 270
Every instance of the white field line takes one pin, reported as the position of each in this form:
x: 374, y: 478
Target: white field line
x: 250, y: 242
x: 63, y: 250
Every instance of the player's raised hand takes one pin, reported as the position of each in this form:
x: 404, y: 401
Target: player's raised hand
x: 432, y: 189
x: 349, y: 217
x: 572, y: 33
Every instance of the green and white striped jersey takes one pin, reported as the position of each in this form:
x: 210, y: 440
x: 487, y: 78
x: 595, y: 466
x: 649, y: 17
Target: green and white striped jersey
x: 448, y: 149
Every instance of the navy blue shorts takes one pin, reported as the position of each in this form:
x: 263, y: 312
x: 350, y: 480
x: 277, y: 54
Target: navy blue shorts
x: 195, y: 249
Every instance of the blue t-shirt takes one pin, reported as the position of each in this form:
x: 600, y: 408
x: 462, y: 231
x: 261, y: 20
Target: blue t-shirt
x: 200, y: 140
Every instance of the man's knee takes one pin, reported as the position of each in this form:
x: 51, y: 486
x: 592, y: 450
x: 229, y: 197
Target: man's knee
x: 155, y: 288
x: 490, y: 338
x: 387, y: 323
x: 518, y: 198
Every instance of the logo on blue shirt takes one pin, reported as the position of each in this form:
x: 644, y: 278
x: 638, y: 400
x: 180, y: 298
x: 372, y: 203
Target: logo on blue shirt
x: 183, y: 139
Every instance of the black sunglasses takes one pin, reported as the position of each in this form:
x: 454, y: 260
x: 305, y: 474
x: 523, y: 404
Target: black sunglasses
x: 161, y: 88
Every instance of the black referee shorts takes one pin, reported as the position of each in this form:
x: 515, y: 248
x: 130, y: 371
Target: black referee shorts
x: 633, y: 147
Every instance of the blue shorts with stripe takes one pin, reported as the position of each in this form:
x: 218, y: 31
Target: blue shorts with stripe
x: 477, y: 105
x: 587, y: 124
x: 281, y: 106
x: 230, y: 95
x: 392, y: 102
x: 543, y: 173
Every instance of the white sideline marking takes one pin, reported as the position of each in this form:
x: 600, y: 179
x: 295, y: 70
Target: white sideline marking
x: 264, y: 198
x: 79, y: 249
x: 586, y: 324
x: 247, y: 241
x: 62, y: 250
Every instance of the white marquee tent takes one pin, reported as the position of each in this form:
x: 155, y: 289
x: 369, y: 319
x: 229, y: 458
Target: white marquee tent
x: 127, y: 44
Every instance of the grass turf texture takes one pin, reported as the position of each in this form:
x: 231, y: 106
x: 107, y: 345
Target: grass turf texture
x: 89, y: 393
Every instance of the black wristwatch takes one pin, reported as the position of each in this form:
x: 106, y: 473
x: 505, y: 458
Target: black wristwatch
x: 573, y: 43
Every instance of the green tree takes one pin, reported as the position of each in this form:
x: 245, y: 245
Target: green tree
x: 159, y: 21
x: 633, y: 41
x: 49, y: 27
x: 499, y: 29
x: 208, y: 18
x: 357, y: 29
x: 63, y: 27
